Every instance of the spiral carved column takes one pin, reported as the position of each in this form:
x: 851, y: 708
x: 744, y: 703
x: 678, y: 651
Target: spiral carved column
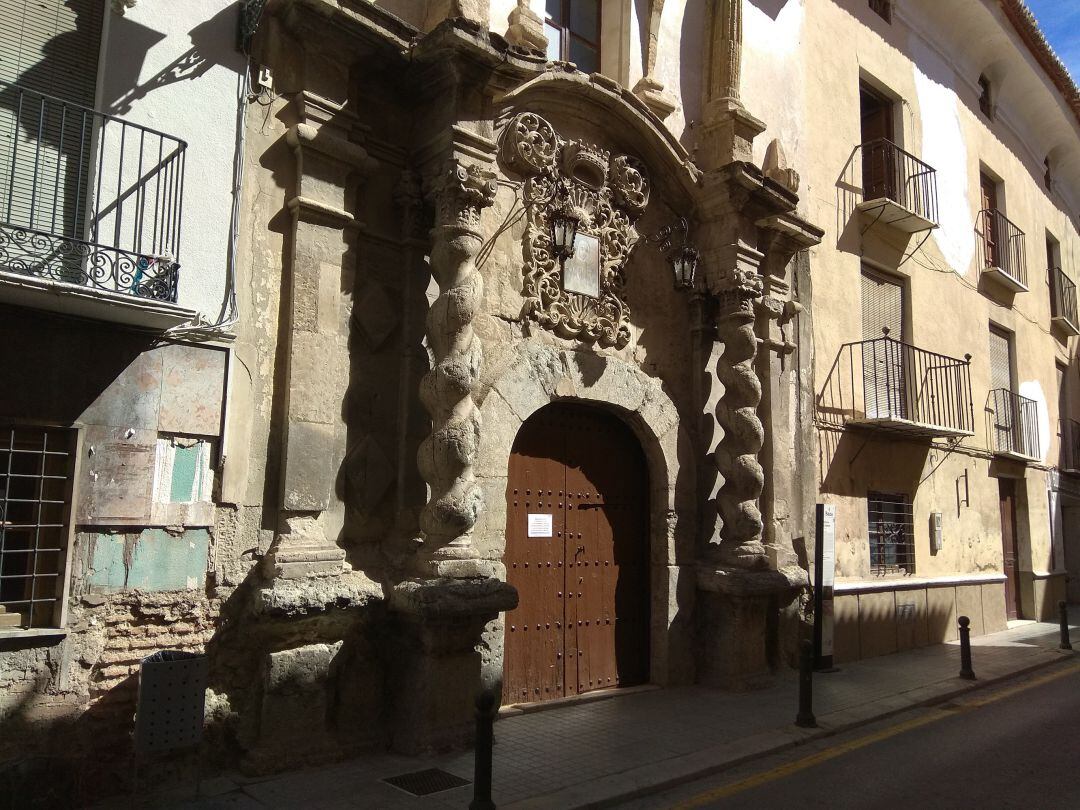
x: 446, y: 457
x: 743, y: 435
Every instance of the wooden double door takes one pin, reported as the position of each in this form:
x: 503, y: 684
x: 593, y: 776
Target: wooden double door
x: 577, y: 552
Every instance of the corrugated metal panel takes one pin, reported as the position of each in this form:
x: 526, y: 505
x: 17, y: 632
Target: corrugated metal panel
x: 1000, y: 360
x: 882, y: 306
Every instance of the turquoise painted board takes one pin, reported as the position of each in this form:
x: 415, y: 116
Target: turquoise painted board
x: 153, y: 561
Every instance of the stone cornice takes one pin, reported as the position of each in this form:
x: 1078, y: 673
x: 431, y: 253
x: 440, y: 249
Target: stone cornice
x: 303, y: 136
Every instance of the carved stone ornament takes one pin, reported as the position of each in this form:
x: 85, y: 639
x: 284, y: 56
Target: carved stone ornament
x: 606, y: 194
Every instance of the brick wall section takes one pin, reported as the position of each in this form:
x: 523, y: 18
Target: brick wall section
x: 67, y: 707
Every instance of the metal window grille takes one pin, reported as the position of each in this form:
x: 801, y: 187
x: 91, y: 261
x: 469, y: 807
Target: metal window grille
x: 892, y: 533
x: 36, y: 475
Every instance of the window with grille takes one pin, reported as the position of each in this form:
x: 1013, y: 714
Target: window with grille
x: 572, y: 28
x: 37, y: 467
x: 883, y: 8
x: 891, y: 523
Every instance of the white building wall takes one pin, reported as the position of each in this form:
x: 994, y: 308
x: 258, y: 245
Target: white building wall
x: 174, y: 66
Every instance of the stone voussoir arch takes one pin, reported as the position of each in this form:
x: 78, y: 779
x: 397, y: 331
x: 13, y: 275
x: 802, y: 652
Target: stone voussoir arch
x: 534, y: 375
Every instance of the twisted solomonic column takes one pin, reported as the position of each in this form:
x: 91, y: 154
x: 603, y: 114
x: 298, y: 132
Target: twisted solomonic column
x: 735, y: 288
x: 446, y: 457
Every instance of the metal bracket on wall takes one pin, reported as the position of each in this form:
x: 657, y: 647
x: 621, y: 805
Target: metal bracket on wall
x: 250, y: 14
x: 966, y: 500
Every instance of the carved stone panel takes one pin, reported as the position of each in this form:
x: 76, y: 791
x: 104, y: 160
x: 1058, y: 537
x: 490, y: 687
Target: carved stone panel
x: 605, y: 195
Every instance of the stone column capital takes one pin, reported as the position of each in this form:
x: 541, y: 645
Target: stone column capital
x: 460, y: 193
x: 734, y: 272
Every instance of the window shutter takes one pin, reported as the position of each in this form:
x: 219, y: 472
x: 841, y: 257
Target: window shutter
x: 882, y: 306
x: 51, y: 46
x: 1000, y: 365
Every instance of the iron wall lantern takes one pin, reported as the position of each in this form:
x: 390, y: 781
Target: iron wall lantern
x: 564, y: 226
x: 683, y: 259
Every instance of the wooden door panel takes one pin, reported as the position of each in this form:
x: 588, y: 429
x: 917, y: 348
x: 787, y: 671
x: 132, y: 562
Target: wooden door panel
x: 1007, y: 495
x: 584, y: 593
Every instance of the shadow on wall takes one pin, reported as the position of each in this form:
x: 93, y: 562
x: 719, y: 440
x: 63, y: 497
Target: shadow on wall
x: 853, y: 462
x: 691, y: 68
x: 213, y: 44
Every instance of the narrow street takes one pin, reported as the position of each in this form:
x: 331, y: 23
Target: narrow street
x: 1016, y: 745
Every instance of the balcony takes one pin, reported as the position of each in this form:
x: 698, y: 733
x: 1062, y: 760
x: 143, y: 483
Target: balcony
x: 1001, y: 251
x: 1014, y: 425
x: 90, y: 207
x: 1069, y: 451
x: 1063, y: 302
x: 885, y: 384
x: 898, y: 189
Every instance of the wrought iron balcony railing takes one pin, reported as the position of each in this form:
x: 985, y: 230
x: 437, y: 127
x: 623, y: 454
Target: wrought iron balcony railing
x: 1063, y: 301
x: 1014, y: 424
x: 891, y: 175
x: 1069, y: 451
x: 1001, y: 250
x: 889, y: 385
x: 88, y: 199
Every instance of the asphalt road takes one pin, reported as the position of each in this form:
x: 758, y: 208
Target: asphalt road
x: 1015, y: 745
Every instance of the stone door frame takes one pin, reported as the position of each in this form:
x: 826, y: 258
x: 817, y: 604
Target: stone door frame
x: 533, y: 376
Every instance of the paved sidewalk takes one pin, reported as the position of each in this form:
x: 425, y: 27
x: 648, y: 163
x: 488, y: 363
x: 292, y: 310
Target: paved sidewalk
x: 595, y: 753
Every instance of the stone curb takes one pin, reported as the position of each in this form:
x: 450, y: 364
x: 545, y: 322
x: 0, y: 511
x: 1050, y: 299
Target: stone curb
x: 657, y: 777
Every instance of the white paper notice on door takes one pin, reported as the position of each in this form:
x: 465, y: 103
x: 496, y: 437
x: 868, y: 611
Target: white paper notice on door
x: 539, y: 525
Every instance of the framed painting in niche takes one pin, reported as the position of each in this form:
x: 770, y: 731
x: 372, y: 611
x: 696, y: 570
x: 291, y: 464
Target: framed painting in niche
x: 581, y: 272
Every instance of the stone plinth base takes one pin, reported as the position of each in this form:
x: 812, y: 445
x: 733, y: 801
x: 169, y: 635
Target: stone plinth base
x: 748, y: 625
x: 448, y: 647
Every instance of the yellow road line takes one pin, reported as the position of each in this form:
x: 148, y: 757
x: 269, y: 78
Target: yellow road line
x: 932, y: 716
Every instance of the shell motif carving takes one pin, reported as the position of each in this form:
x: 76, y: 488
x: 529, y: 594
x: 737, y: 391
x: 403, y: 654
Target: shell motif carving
x: 607, y: 195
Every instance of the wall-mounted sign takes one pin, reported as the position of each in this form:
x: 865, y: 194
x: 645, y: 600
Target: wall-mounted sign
x: 539, y: 525
x: 581, y: 272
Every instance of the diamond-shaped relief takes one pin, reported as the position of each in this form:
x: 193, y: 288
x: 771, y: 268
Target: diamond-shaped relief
x: 368, y: 474
x: 376, y: 314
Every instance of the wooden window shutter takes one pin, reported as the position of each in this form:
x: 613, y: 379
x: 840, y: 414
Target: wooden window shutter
x: 1000, y: 360
x: 882, y: 306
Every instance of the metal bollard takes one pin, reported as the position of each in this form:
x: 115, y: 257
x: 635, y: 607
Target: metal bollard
x: 965, y: 649
x: 805, y: 718
x: 1063, y: 617
x: 485, y: 739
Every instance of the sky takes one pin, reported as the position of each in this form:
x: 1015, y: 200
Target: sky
x: 1060, y: 21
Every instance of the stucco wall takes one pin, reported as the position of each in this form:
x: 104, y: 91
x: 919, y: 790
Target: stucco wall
x: 175, y: 67
x: 806, y: 88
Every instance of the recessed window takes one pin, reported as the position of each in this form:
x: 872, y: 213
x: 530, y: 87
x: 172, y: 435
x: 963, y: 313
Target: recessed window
x: 883, y: 8
x: 37, y: 467
x: 892, y: 538
x: 985, y: 101
x: 572, y: 28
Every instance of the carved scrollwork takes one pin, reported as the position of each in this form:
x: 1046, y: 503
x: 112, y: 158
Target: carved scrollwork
x: 605, y: 195
x: 529, y: 145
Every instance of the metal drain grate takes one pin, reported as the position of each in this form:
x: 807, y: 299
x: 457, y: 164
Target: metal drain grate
x: 426, y: 782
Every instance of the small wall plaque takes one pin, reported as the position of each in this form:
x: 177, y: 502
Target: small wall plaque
x: 581, y: 272
x: 540, y: 525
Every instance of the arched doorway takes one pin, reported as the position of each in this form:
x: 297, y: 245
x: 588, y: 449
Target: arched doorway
x: 577, y: 550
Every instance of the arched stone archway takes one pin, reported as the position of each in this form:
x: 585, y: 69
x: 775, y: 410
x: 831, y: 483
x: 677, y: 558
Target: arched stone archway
x: 535, y: 375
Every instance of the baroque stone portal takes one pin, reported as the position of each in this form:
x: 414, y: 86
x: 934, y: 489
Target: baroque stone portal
x: 605, y: 195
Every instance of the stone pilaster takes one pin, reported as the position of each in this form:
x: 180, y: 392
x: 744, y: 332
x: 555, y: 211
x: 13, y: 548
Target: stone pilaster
x: 526, y: 29
x: 317, y: 334
x: 649, y: 89
x: 728, y: 130
x: 447, y: 456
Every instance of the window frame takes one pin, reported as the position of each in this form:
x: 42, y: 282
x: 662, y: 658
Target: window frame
x: 59, y: 619
x: 907, y: 528
x: 566, y: 32
x: 883, y: 8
